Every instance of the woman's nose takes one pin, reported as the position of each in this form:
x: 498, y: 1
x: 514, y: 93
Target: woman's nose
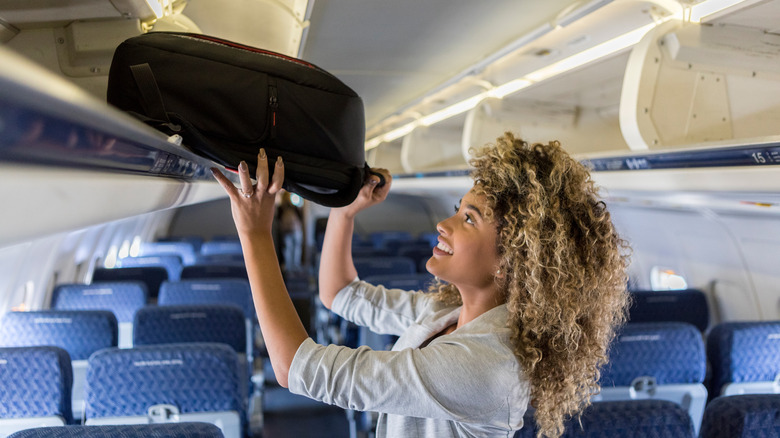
x: 442, y: 227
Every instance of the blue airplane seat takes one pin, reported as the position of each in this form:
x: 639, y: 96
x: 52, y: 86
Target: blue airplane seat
x: 150, y: 276
x: 198, y: 382
x: 185, y: 250
x: 431, y: 238
x: 742, y: 416
x: 390, y: 239
x: 621, y: 419
x: 402, y: 281
x: 190, y: 323
x: 229, y: 270
x: 420, y: 253
x: 689, y: 305
x: 195, y: 241
x: 171, y: 263
x: 369, y: 266
x: 121, y: 298
x: 213, y: 291
x: 220, y: 259
x: 35, y: 388
x: 221, y: 247
x: 744, y: 358
x: 224, y: 324
x: 162, y: 430
x: 79, y: 332
x: 661, y: 361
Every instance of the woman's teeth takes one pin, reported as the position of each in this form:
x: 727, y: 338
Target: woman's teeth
x: 444, y: 248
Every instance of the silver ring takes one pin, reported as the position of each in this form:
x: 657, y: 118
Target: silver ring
x: 245, y: 194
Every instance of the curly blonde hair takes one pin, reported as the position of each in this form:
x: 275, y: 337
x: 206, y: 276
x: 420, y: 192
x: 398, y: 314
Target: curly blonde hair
x: 565, y: 271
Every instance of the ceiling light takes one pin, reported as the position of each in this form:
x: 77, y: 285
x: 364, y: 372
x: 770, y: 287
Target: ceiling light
x: 710, y: 7
x: 590, y: 55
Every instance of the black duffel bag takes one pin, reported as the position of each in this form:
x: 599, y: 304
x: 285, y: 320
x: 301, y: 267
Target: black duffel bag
x: 227, y: 100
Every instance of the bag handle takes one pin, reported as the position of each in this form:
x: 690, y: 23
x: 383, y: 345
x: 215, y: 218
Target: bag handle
x: 151, y: 98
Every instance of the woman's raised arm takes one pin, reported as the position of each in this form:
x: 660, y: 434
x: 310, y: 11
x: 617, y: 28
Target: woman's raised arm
x: 336, y: 266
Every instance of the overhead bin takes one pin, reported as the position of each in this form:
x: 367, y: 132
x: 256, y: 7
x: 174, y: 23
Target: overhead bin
x: 688, y: 83
x: 69, y: 160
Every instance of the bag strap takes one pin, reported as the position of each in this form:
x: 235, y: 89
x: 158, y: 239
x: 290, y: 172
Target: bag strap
x: 151, y: 98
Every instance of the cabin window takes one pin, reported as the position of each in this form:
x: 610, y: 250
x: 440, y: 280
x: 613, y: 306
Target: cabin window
x: 135, y: 247
x: 663, y: 278
x: 27, y: 293
x: 110, y: 260
x: 124, y: 250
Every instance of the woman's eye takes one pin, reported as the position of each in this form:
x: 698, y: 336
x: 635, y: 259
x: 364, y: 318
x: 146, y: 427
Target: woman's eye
x: 457, y: 208
x: 469, y: 219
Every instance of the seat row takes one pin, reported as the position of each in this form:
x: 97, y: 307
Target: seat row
x: 124, y: 298
x: 81, y: 333
x: 743, y: 416
x: 168, y: 430
x: 200, y: 382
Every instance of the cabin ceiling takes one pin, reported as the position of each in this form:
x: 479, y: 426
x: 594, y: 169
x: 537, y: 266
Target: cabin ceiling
x: 394, y: 52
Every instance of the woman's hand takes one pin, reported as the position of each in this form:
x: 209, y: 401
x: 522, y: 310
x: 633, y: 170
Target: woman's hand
x: 253, y: 206
x: 370, y: 194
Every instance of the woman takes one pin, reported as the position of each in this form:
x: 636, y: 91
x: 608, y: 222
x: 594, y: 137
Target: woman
x: 532, y: 289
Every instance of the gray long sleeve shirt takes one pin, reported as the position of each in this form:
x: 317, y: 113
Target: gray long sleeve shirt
x: 464, y: 384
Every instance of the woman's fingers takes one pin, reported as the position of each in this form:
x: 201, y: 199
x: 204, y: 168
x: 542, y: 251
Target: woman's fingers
x: 247, y: 190
x: 224, y: 182
x: 261, y: 175
x: 278, y: 178
x: 263, y: 184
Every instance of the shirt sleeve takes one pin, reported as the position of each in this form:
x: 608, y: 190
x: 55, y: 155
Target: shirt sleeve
x: 460, y: 381
x: 382, y: 310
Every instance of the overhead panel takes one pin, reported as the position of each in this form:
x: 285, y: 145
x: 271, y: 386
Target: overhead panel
x: 687, y: 83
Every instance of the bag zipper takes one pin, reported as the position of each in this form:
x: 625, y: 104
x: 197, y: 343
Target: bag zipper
x: 251, y: 49
x: 273, y: 103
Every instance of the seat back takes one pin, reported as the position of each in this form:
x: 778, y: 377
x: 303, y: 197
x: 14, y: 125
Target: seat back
x: 419, y: 252
x: 191, y: 323
x: 168, y: 430
x: 167, y: 383
x: 208, y: 291
x: 221, y: 247
x: 185, y: 250
x: 390, y: 239
x: 742, y: 416
x: 688, y: 305
x: 745, y: 357
x: 79, y: 332
x: 620, y: 419
x: 212, y: 271
x: 663, y: 361
x: 150, y: 276
x: 171, y: 263
x: 213, y: 291
x: 122, y: 298
x: 35, y: 388
x: 218, y: 259
x: 370, y: 266
x: 402, y: 281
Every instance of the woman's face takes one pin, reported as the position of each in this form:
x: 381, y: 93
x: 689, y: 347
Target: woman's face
x: 467, y: 255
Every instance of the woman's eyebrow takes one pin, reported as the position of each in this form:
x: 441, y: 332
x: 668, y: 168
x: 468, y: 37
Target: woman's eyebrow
x: 475, y: 209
